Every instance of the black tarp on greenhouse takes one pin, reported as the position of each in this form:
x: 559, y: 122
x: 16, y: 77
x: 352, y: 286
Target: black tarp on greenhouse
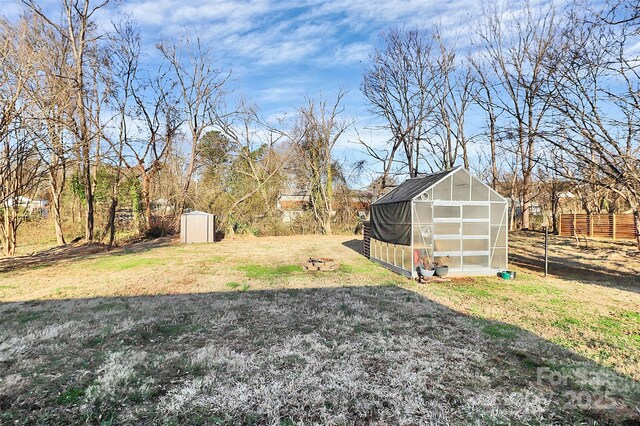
x: 390, y: 219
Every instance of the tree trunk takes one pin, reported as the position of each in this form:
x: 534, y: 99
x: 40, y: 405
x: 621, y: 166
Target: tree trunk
x: 187, y: 183
x: 55, y: 210
x: 465, y: 154
x: 83, y: 136
x: 512, y: 216
x: 636, y: 215
x: 325, y: 226
x: 146, y: 199
x: 494, y: 165
x: 526, y: 203
x: 85, y: 151
x: 555, y: 205
x: 89, y: 199
x: 328, y: 204
x: 10, y: 237
x: 111, y: 224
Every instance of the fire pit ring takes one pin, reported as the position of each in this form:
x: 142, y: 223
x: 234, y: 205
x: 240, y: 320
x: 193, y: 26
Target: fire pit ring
x: 320, y: 264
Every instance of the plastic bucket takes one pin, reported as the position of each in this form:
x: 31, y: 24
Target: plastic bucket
x: 507, y: 275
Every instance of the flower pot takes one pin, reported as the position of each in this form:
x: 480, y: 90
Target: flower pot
x: 442, y: 271
x: 426, y: 273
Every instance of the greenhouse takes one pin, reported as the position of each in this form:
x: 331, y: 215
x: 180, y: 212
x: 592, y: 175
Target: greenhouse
x: 449, y: 218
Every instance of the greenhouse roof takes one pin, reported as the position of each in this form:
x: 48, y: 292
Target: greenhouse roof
x: 413, y: 187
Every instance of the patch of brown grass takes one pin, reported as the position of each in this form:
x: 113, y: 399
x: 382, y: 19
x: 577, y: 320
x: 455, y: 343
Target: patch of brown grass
x: 332, y: 356
x: 154, y: 333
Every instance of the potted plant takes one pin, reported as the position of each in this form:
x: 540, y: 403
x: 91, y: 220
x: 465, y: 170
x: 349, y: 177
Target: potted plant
x: 440, y: 269
x: 423, y: 270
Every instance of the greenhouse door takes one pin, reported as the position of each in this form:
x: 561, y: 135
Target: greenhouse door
x: 461, y: 235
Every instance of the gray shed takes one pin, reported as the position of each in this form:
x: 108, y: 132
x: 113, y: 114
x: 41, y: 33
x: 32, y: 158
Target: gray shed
x: 449, y: 217
x: 197, y: 227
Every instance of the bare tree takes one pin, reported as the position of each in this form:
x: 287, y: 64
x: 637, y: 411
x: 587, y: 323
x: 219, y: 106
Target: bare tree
x: 597, y: 98
x: 19, y: 180
x: 123, y: 60
x: 49, y: 92
x: 484, y: 97
x: 318, y: 129
x: 201, y: 89
x: 452, y: 100
x: 79, y: 32
x: 400, y: 86
x: 16, y: 70
x: 160, y: 122
x: 517, y: 47
x: 249, y: 144
x: 382, y: 155
x: 19, y: 163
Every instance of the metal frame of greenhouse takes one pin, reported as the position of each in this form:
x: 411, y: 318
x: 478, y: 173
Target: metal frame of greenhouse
x: 449, y: 217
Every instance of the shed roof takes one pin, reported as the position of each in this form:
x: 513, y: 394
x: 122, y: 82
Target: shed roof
x: 413, y: 187
x: 196, y: 213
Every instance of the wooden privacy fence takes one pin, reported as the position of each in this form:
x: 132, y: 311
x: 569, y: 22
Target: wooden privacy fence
x: 613, y: 226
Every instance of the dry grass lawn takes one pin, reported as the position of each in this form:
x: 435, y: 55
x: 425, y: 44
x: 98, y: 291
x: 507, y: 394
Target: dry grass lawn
x: 235, y: 332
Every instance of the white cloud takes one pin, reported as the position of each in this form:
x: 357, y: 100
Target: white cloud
x: 354, y: 52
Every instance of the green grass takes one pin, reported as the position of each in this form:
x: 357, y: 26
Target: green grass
x: 233, y: 285
x: 611, y: 324
x: 471, y: 291
x: 532, y: 288
x: 94, y: 341
x: 71, y: 396
x: 633, y: 316
x: 501, y: 331
x: 567, y: 323
x: 528, y: 361
x: 269, y: 272
x: 109, y: 306
x: 362, y: 268
x: 40, y: 266
x: 61, y: 291
x: 121, y: 263
x: 29, y: 316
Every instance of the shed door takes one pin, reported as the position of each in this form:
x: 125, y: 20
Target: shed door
x: 461, y: 234
x: 197, y: 228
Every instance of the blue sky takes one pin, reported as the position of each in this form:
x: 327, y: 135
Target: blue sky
x: 280, y: 51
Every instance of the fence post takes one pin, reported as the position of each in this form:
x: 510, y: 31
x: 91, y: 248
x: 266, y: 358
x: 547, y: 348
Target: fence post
x: 591, y: 225
x: 546, y: 250
x: 614, y: 226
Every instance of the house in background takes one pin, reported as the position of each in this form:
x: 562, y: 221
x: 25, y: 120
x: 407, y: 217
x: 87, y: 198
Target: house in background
x: 361, y: 206
x: 30, y: 206
x: 163, y: 207
x: 292, y: 205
